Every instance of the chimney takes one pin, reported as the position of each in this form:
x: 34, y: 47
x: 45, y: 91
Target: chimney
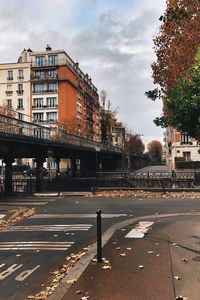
x: 48, y: 48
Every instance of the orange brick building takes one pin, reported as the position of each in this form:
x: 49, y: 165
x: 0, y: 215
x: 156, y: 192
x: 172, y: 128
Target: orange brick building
x: 62, y: 94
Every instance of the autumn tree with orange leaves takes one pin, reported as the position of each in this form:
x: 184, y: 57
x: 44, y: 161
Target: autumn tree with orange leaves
x: 176, y: 70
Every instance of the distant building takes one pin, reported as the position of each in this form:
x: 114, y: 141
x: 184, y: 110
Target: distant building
x: 179, y: 146
x: 118, y: 134
x: 15, y: 88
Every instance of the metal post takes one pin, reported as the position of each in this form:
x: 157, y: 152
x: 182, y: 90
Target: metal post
x: 99, y: 242
x: 163, y: 187
x: 31, y: 190
x: 58, y: 180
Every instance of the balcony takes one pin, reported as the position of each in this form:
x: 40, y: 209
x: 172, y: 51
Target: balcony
x: 9, y: 78
x: 9, y: 93
x: 20, y: 92
x: 42, y: 78
x: 20, y: 77
x: 44, y: 91
x: 20, y: 107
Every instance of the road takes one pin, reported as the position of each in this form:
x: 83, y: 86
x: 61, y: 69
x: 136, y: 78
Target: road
x: 32, y: 249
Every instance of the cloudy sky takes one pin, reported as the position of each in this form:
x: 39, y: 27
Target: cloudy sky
x: 111, y: 40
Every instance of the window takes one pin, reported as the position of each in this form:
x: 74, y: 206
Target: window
x: 10, y: 75
x: 38, y: 88
x: 52, y: 102
x: 9, y: 103
x: 52, y: 117
x: 52, y: 87
x: 20, y: 116
x: 52, y: 60
x: 185, y: 139
x: 187, y: 156
x: 21, y: 74
x: 52, y: 74
x: 40, y: 61
x: 39, y: 74
x: 20, y: 103
x: 37, y: 102
x: 9, y: 87
x: 20, y: 89
x: 38, y: 117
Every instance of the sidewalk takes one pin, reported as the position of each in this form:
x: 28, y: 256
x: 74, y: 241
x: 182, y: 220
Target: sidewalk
x: 162, y: 265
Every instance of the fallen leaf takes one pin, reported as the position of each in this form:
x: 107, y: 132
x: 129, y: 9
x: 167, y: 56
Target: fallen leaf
x: 118, y: 248
x: 106, y: 267
x: 128, y: 248
x: 85, y: 297
x: 177, y: 277
x: 78, y: 292
x: 123, y: 254
x: 185, y: 259
x: 150, y: 252
x: 71, y: 281
x: 140, y: 266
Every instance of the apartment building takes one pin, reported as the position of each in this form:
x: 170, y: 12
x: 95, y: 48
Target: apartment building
x: 15, y: 88
x: 51, y: 88
x: 180, y: 146
x: 62, y: 94
x: 118, y: 134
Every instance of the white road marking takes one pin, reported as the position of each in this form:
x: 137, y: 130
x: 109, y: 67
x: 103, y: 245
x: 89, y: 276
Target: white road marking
x: 2, y: 265
x: 23, y: 203
x: 36, y: 245
x: 140, y: 230
x: 23, y: 275
x: 71, y: 216
x: 2, y: 216
x: 9, y: 271
x: 73, y: 227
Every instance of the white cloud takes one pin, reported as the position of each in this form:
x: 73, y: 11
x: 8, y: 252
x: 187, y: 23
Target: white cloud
x: 112, y: 40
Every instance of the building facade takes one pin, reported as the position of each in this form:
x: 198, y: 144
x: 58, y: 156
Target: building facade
x: 179, y: 146
x: 15, y: 88
x: 49, y: 88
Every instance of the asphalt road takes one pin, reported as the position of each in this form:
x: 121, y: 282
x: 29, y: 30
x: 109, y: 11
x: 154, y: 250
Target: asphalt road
x: 37, y: 246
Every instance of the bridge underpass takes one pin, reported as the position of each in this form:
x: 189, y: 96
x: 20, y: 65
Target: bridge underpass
x: 19, y: 139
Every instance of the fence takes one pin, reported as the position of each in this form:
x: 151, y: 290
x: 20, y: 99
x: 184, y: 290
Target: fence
x: 110, y: 180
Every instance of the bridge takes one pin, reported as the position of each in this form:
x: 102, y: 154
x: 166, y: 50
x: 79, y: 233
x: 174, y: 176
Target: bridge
x: 22, y: 139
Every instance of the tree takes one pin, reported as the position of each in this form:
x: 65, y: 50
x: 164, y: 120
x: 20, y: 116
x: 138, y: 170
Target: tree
x: 107, y: 118
x: 155, y: 151
x: 134, y: 145
x: 184, y: 105
x: 176, y: 48
x: 177, y: 42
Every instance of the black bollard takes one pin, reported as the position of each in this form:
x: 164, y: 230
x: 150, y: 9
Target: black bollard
x: 99, y: 243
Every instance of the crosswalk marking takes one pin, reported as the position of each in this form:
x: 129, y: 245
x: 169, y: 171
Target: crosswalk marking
x: 140, y: 230
x: 71, y: 216
x: 35, y: 245
x: 73, y: 227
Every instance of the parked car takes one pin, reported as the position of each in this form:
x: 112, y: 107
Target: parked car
x: 33, y: 172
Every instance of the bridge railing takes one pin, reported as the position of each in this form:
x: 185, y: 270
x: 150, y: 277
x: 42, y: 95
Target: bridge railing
x: 11, y: 125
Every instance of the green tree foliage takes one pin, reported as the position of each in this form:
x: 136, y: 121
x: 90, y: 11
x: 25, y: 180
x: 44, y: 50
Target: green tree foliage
x: 183, y: 103
x: 155, y: 151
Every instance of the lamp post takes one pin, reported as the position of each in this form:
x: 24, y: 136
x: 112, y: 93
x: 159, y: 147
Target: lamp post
x: 97, y: 149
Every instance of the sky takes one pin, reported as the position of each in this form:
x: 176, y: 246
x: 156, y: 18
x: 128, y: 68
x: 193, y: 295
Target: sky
x: 111, y: 39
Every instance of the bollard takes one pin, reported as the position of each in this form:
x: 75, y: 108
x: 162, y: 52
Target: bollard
x: 163, y: 187
x: 99, y: 243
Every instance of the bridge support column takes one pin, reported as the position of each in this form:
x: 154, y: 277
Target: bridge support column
x: 39, y: 174
x: 73, y: 166
x: 8, y: 174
